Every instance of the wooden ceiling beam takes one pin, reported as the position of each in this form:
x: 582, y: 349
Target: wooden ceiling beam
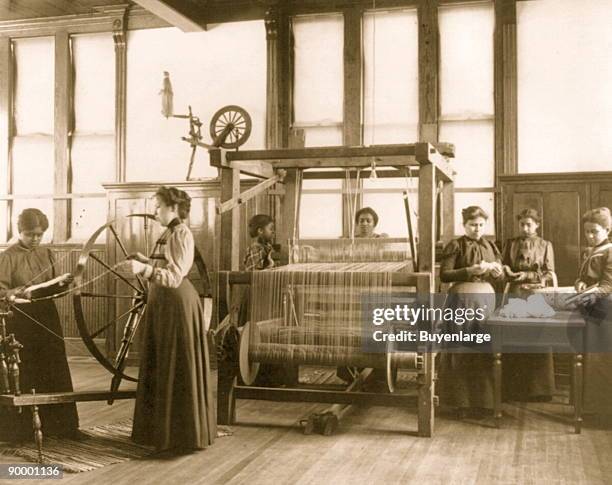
x: 187, y: 15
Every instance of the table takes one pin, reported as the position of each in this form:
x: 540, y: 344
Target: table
x: 539, y: 333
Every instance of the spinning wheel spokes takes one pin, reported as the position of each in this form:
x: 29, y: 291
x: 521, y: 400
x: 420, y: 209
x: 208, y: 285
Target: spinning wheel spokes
x: 125, y: 253
x: 126, y: 298
x: 230, y: 127
x: 96, y: 335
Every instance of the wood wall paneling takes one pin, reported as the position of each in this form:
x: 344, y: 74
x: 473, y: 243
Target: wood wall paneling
x: 563, y: 208
x: 601, y: 194
x: 561, y: 200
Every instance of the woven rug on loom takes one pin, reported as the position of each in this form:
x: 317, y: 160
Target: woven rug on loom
x: 99, y: 446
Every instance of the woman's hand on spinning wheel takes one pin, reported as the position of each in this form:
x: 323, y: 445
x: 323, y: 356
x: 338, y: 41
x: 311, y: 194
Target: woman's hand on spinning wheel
x: 133, y: 267
x: 66, y: 279
x: 138, y: 256
x: 19, y: 293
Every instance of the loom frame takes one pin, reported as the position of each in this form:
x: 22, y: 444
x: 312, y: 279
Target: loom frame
x: 424, y: 398
x: 436, y: 188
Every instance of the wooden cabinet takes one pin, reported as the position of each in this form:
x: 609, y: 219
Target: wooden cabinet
x: 561, y: 199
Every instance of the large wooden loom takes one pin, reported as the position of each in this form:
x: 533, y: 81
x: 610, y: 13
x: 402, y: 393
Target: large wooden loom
x: 435, y: 187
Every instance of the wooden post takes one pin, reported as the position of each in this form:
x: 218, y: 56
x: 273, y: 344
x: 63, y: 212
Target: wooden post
x: 353, y: 76
x: 578, y: 383
x: 6, y: 128
x: 448, y: 212
x: 429, y: 42
x: 506, y: 106
x: 273, y: 132
x: 278, y: 110
x: 427, y: 204
x: 425, y: 378
x: 290, y: 212
x: 497, y: 388
x: 37, y: 426
x: 285, y: 78
x: 119, y: 37
x: 230, y: 221
x: 62, y: 134
x: 352, y: 134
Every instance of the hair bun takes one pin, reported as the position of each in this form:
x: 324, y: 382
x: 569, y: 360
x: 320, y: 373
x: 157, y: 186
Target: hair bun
x: 600, y: 215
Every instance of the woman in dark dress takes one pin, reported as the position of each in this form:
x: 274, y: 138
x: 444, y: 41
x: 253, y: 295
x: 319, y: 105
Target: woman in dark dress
x: 473, y: 265
x: 528, y: 377
x: 174, y: 404
x: 36, y: 326
x: 596, y: 305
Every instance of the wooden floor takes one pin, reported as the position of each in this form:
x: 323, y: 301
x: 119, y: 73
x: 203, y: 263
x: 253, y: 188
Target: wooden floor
x: 372, y: 445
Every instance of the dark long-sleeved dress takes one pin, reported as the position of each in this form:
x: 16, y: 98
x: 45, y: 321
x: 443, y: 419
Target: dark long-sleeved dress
x: 174, y: 403
x: 597, y: 270
x: 465, y: 380
x: 528, y: 376
x: 36, y: 325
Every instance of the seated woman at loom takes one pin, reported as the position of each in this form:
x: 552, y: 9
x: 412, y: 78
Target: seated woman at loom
x: 528, y: 377
x: 259, y: 257
x: 595, y: 283
x: 36, y: 325
x: 473, y: 265
x: 366, y: 220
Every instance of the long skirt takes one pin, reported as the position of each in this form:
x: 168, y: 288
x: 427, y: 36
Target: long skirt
x: 598, y: 359
x: 174, y: 401
x: 465, y: 380
x: 43, y: 367
x: 527, y: 376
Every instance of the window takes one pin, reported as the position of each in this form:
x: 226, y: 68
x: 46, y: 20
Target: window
x: 385, y: 196
x: 466, y: 102
x: 318, y: 109
x: 208, y: 70
x: 564, y: 79
x: 32, y: 148
x: 92, y: 153
x: 391, y: 79
x: 319, y: 79
x: 321, y: 208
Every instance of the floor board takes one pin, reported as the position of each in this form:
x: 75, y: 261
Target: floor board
x: 372, y: 445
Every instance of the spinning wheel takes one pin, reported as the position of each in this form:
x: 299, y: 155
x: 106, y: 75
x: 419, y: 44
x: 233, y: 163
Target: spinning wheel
x: 230, y: 127
x: 129, y: 298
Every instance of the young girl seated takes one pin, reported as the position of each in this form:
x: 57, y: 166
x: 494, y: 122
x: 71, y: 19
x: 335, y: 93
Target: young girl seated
x: 595, y: 277
x: 259, y: 253
x: 528, y: 377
